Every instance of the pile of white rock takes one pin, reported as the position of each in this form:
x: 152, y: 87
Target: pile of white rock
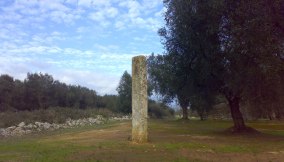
x: 23, y: 128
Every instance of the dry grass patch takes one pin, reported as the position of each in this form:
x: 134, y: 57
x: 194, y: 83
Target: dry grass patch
x: 169, y: 141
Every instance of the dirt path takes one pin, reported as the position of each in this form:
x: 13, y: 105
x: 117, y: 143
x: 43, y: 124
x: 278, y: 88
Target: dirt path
x: 169, y: 141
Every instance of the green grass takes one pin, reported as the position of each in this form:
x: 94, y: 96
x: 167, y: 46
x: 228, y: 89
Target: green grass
x: 168, y: 141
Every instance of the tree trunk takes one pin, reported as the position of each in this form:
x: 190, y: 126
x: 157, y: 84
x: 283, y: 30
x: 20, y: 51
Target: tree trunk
x: 184, y: 103
x: 184, y: 113
x: 278, y: 114
x: 239, y: 124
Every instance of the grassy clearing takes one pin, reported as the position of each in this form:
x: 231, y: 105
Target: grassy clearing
x: 169, y: 141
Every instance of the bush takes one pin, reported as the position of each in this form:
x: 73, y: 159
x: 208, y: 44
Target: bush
x: 160, y: 111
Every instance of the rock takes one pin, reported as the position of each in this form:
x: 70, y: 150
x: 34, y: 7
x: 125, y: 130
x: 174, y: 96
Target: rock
x: 11, y: 128
x: 92, y: 120
x: 54, y: 126
x: 100, y: 117
x: 18, y: 131
x: 46, y: 125
x: 28, y: 131
x: 29, y: 126
x: 23, y: 128
x: 38, y: 124
x: 21, y: 124
x: 2, y: 131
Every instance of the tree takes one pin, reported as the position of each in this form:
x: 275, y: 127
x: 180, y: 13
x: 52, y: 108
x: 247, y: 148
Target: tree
x: 111, y: 102
x: 167, y: 82
x: 191, y: 40
x: 58, y: 94
x: 252, y: 41
x: 41, y: 91
x: 18, y: 101
x: 124, y: 90
x: 202, y: 103
x: 6, y: 92
x: 227, y: 47
x: 37, y: 88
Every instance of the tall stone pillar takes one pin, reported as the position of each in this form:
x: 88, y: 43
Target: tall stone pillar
x: 139, y: 100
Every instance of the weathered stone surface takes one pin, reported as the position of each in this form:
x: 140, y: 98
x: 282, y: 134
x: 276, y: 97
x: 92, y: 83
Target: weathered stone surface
x: 139, y: 100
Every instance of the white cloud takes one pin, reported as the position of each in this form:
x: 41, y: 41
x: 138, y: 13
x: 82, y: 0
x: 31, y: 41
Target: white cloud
x: 111, y: 12
x: 74, y: 40
x: 119, y: 25
x: 102, y: 83
x: 82, y: 29
x: 133, y: 7
x: 35, y: 11
x: 97, y: 16
x: 139, y: 15
x: 85, y: 3
x: 105, y: 48
x: 104, y: 15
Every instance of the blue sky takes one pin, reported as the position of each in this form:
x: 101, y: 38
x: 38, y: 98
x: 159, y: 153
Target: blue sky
x: 82, y: 42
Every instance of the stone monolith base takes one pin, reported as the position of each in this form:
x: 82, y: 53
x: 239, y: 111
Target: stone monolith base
x: 139, y: 100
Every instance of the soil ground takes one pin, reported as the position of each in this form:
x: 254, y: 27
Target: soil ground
x: 170, y: 140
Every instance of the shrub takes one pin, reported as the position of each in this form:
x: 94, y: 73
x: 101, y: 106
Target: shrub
x: 159, y: 110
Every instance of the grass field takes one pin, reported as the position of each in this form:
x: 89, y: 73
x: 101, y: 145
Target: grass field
x: 169, y: 141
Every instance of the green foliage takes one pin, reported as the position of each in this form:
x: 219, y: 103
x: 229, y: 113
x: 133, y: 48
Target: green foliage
x: 159, y: 110
x: 108, y: 101
x: 37, y: 88
x: 252, y: 39
x: 230, y: 47
x: 202, y: 104
x: 124, y: 90
x: 7, y: 89
x: 167, y: 82
x: 191, y: 40
x: 41, y: 91
x: 124, y: 100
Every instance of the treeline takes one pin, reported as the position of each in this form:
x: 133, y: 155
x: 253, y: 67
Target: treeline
x: 41, y: 91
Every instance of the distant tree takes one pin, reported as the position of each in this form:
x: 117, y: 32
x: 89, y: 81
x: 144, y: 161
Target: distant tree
x: 110, y: 102
x: 41, y: 91
x: 159, y: 110
x: 87, y: 98
x: 37, y: 88
x: 6, y: 92
x: 124, y: 90
x: 18, y: 101
x: 202, y: 104
x: 168, y: 82
x: 59, y: 92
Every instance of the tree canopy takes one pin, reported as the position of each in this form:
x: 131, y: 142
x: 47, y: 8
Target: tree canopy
x: 124, y: 90
x: 41, y: 91
x: 191, y: 41
x: 233, y: 48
